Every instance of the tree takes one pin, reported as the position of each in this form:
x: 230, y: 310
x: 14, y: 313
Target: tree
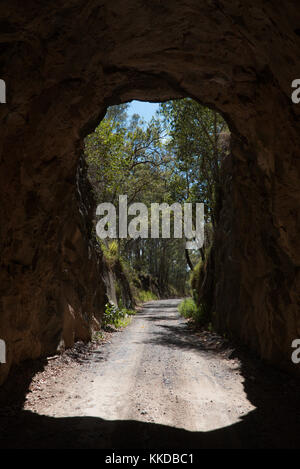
x: 194, y: 132
x: 173, y: 158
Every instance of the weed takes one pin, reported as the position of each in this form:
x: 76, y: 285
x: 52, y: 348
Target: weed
x: 189, y: 310
x: 115, y: 316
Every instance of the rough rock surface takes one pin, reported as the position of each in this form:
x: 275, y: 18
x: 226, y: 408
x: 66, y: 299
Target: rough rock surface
x: 63, y: 64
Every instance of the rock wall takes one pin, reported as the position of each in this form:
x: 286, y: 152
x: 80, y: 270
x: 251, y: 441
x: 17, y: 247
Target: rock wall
x: 119, y: 290
x: 256, y: 271
x: 63, y: 64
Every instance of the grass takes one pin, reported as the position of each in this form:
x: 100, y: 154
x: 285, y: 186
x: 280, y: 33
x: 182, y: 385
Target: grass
x: 187, y: 308
x: 123, y: 322
x: 190, y: 310
x: 143, y: 296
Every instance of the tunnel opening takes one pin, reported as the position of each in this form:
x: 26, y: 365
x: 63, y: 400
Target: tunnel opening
x: 177, y: 156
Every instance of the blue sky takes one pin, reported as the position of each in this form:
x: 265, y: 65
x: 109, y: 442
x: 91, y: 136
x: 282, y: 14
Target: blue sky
x: 144, y: 109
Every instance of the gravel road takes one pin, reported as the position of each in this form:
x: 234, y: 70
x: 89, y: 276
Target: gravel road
x: 155, y: 384
x: 155, y: 371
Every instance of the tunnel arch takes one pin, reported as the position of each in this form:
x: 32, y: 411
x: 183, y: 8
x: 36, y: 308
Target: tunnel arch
x: 63, y: 66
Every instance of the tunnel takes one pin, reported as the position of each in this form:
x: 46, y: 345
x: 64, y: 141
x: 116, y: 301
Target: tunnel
x: 63, y: 64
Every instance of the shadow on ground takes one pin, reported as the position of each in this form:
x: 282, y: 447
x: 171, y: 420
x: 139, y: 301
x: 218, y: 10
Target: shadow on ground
x: 275, y: 423
x: 27, y: 430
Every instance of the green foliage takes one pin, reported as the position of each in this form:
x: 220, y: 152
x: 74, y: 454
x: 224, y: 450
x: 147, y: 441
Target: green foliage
x: 195, y: 132
x: 110, y: 250
x: 122, y: 322
x: 115, y: 316
x: 143, y: 296
x: 189, y: 310
x: 113, y: 248
x: 174, y: 158
x: 123, y: 157
x: 130, y: 312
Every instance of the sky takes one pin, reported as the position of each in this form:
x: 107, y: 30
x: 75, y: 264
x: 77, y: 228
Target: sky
x: 144, y: 109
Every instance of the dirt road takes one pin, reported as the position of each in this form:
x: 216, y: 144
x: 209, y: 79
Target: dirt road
x: 155, y: 372
x: 156, y: 384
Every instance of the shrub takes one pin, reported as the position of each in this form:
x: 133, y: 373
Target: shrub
x: 118, y: 317
x: 143, y: 296
x: 189, y: 310
x: 109, y: 250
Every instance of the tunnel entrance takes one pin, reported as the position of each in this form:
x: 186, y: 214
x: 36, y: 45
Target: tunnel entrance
x: 142, y: 171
